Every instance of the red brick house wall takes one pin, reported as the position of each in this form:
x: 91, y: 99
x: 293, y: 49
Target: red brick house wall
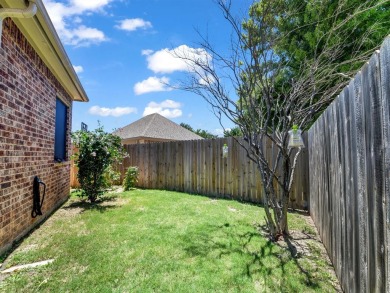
x: 28, y: 92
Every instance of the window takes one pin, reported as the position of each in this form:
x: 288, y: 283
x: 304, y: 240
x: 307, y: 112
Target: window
x: 60, y: 131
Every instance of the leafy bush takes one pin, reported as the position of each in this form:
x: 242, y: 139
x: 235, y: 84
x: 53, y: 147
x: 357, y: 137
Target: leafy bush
x: 97, y: 151
x: 131, y: 178
x: 111, y: 177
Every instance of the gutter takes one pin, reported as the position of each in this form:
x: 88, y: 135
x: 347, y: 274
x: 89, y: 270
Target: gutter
x: 28, y: 12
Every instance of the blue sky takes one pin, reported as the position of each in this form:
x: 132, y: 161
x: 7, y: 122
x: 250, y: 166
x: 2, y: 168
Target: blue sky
x: 119, y: 48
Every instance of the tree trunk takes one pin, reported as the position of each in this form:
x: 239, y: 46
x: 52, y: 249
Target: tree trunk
x: 285, y: 194
x: 283, y: 220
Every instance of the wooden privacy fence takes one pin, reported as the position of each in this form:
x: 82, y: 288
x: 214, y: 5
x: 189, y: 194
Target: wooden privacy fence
x: 349, y: 163
x: 74, y: 182
x: 199, y: 167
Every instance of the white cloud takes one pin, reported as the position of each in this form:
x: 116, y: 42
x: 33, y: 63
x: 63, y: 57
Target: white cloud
x: 116, y: 112
x: 86, y: 36
x: 146, y: 52
x: 167, y: 108
x: 133, y: 24
x: 78, y: 68
x: 168, y: 61
x: 152, y: 84
x: 165, y: 104
x: 89, y: 5
x: 67, y: 19
x: 206, y: 79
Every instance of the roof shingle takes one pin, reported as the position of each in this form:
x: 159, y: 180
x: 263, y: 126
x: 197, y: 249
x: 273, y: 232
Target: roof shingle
x: 156, y: 126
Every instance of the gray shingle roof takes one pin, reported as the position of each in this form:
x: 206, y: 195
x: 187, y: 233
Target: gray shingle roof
x: 156, y: 126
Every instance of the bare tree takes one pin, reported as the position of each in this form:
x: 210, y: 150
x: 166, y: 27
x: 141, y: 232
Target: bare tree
x: 267, y: 99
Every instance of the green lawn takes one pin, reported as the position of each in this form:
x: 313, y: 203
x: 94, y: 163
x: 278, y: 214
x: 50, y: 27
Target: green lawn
x: 160, y: 241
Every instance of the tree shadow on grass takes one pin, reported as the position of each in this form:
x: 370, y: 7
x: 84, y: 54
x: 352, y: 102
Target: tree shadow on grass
x: 261, y: 258
x: 102, y: 204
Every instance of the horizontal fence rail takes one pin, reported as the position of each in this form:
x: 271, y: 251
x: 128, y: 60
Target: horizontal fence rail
x: 199, y: 167
x: 349, y: 163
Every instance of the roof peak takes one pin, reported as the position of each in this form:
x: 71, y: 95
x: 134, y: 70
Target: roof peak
x: 156, y: 126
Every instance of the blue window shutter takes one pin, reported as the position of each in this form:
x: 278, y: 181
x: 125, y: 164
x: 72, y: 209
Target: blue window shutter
x: 60, y: 131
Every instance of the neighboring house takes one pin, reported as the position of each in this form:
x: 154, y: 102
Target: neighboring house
x: 154, y: 128
x: 37, y: 87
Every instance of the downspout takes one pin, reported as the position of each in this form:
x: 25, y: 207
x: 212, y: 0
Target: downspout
x: 28, y: 12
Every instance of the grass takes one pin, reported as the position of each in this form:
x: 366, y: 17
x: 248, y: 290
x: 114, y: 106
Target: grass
x: 160, y: 241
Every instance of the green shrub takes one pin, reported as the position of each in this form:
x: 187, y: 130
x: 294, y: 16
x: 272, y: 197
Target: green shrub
x: 131, y: 178
x: 97, y: 151
x: 111, y: 177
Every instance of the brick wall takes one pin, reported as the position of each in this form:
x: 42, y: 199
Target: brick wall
x: 28, y: 92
